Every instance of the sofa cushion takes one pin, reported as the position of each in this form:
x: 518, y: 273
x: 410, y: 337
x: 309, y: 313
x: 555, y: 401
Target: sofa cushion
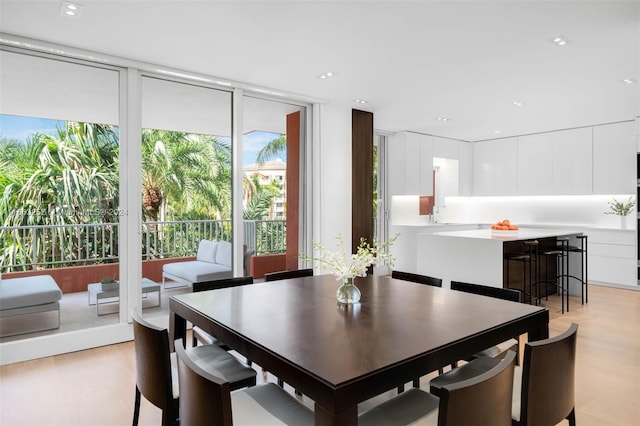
x: 196, y: 271
x: 28, y: 291
x: 207, y: 251
x: 223, y: 255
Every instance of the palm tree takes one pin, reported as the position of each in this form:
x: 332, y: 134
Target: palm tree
x: 258, y: 197
x: 186, y: 172
x: 68, y: 178
x: 272, y: 150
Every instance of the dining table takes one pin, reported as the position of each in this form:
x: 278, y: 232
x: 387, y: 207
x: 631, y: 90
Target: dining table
x: 340, y: 355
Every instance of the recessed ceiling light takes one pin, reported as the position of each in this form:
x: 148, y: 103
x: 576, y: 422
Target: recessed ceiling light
x: 497, y: 132
x: 360, y: 101
x: 326, y: 75
x: 518, y: 103
x: 560, y: 40
x: 628, y: 80
x: 442, y: 119
x: 70, y: 9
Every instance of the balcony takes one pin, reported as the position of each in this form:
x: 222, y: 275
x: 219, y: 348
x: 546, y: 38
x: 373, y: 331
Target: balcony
x: 78, y: 254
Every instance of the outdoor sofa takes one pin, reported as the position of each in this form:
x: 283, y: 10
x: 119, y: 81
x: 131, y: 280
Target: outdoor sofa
x: 213, y: 262
x: 29, y: 295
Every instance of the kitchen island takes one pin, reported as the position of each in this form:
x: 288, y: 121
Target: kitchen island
x: 476, y: 256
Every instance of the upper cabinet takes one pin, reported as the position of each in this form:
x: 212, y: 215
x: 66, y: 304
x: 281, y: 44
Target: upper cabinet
x: 483, y: 174
x: 410, y: 164
x: 505, y: 155
x: 572, y: 161
x: 614, y: 165
x: 582, y: 161
x: 465, y: 150
x: 535, y: 164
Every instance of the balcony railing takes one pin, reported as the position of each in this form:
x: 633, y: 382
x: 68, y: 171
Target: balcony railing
x: 42, y: 246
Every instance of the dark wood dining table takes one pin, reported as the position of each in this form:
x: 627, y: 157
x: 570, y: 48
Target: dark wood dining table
x: 340, y: 355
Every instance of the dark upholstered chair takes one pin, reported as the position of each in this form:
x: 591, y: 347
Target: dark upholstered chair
x: 481, y: 400
x: 420, y: 279
x: 510, y: 294
x: 200, y: 335
x: 543, y: 388
x: 283, y: 275
x: 416, y: 278
x: 206, y: 399
x: 156, y: 377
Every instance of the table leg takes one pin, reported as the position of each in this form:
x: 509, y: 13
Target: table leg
x: 177, y: 330
x: 348, y: 417
x: 540, y: 333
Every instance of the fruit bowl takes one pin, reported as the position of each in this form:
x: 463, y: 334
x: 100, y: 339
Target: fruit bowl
x: 504, y: 227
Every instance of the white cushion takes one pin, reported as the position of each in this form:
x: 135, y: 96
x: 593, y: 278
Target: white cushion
x: 223, y: 255
x: 196, y: 272
x: 207, y: 251
x: 29, y: 291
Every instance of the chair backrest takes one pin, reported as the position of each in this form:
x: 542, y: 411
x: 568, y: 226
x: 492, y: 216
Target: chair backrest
x: 204, y: 398
x: 153, y: 362
x: 283, y: 275
x: 416, y: 278
x: 223, y: 283
x: 548, y: 379
x: 485, y: 290
x: 482, y: 400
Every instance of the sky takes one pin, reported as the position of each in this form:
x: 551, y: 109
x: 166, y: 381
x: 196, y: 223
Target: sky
x: 21, y: 128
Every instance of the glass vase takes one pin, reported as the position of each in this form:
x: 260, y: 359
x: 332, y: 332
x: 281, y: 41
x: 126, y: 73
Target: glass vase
x: 348, y: 292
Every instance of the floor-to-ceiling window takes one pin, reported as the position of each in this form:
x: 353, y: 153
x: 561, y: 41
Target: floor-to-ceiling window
x: 274, y: 137
x: 186, y: 173
x: 59, y: 185
x: 106, y: 134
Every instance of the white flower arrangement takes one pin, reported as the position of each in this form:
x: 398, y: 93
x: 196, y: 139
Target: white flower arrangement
x: 348, y: 266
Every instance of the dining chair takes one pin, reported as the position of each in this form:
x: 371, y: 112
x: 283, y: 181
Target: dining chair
x: 543, y: 387
x: 206, y: 399
x: 420, y: 279
x: 292, y: 273
x: 485, y: 399
x: 283, y: 275
x: 198, y: 334
x: 156, y: 368
x: 510, y: 294
x: 416, y: 278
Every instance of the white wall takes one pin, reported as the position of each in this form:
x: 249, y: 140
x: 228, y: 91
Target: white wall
x: 332, y: 209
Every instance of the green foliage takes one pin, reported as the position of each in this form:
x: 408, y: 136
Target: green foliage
x: 72, y: 178
x: 272, y: 150
x: 621, y: 208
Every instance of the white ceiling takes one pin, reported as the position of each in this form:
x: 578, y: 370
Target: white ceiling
x: 413, y: 61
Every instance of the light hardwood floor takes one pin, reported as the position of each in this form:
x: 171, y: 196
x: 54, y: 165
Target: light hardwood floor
x: 96, y: 387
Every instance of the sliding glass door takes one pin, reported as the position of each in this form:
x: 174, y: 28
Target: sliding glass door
x: 186, y: 182
x: 59, y: 192
x: 274, y: 136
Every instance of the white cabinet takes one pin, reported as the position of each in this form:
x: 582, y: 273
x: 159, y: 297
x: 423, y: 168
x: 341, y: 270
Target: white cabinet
x: 445, y: 148
x: 483, y: 176
x: 614, y: 165
x: 535, y: 164
x: 410, y: 169
x: 465, y: 150
x: 572, y: 161
x: 612, y: 257
x: 505, y: 166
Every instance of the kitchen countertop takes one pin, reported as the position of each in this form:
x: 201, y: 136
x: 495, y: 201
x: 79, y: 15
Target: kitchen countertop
x: 521, y: 234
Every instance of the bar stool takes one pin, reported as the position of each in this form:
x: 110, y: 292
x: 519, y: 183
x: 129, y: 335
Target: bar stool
x: 561, y: 278
x: 584, y: 267
x: 529, y: 257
